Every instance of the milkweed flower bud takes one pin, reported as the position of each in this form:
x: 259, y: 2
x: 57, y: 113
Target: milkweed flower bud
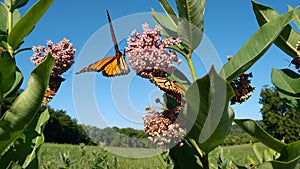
x: 62, y: 52
x: 242, y: 87
x: 164, y: 128
x: 147, y: 52
x: 296, y: 60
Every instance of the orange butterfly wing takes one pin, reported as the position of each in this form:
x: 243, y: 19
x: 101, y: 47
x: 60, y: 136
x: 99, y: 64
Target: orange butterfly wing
x: 110, y: 66
x: 168, y: 86
x: 54, y: 84
x: 165, y: 84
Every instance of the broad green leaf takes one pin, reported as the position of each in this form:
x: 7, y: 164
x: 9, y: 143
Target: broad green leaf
x: 185, y: 156
x: 297, y: 18
x: 17, y: 84
x: 169, y: 10
x: 180, y: 48
x: 170, y: 102
x: 255, y: 47
x: 257, y: 154
x: 24, y: 150
x: 293, y: 100
x: 252, y: 161
x: 191, y: 22
x: 165, y: 160
x: 169, y: 27
x: 16, y: 17
x: 290, y: 152
x: 280, y: 165
x: 182, y: 81
x: 27, y: 22
x: 37, y: 137
x: 286, y: 81
x: 25, y: 107
x: 168, y: 22
x: 16, y: 3
x: 239, y: 166
x: 290, y: 8
x: 3, y: 37
x: 267, y: 156
x: 220, y: 132
x: 287, y: 39
x: 207, y: 100
x: 7, y: 73
x: 4, y: 26
x: 252, y: 128
x: 3, y: 18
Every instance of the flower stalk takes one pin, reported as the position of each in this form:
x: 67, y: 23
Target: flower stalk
x: 191, y: 66
x: 9, y: 17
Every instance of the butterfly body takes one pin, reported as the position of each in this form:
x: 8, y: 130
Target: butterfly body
x: 165, y: 84
x: 110, y: 66
x: 168, y: 86
x: 53, y: 86
x: 296, y: 61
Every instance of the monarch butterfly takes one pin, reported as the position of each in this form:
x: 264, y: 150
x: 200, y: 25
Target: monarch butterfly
x: 1, y: 50
x: 296, y: 61
x: 168, y: 86
x: 54, y: 84
x: 110, y: 66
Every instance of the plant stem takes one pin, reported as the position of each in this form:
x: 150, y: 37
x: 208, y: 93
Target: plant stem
x: 10, y: 18
x: 201, y: 155
x: 204, y: 161
x: 196, y: 147
x: 191, y: 66
x: 23, y: 49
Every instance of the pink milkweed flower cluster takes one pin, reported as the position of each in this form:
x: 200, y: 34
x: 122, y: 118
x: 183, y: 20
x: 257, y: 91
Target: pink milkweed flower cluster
x: 148, y: 55
x: 242, y: 87
x: 164, y: 128
x: 147, y: 52
x: 62, y: 52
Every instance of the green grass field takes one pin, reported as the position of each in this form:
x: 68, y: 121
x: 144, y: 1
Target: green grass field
x: 91, y: 156
x: 49, y: 157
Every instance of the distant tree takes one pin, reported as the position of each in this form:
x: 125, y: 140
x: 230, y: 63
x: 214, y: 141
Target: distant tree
x: 238, y: 136
x: 125, y: 141
x: 280, y: 119
x: 131, y: 132
x: 61, y: 128
x: 108, y: 135
x: 116, y: 142
x: 120, y: 137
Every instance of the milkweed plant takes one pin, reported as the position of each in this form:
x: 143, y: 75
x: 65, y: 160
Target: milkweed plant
x: 21, y: 126
x: 205, y: 111
x: 195, y: 116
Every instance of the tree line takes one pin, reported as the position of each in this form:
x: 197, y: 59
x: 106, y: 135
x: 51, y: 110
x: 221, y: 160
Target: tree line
x: 280, y: 118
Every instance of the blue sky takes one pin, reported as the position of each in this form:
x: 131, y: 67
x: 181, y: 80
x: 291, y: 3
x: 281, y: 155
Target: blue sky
x: 228, y: 25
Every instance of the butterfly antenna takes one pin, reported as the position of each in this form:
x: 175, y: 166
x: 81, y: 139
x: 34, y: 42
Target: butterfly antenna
x: 112, y: 33
x: 288, y: 61
x: 68, y: 74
